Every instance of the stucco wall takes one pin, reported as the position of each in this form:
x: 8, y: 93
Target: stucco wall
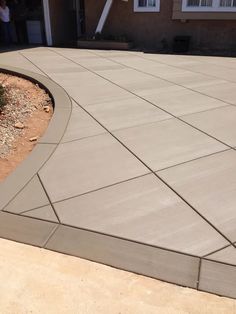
x: 148, y: 29
x: 63, y: 21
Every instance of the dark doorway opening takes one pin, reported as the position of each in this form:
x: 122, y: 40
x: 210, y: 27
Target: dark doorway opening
x: 80, y: 8
x: 27, y: 22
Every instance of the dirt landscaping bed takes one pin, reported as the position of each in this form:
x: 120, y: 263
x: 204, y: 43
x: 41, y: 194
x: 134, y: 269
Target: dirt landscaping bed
x: 25, y: 111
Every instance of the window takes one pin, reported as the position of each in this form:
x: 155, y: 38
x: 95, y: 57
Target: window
x: 146, y: 5
x: 228, y: 3
x: 199, y: 3
x: 209, y: 5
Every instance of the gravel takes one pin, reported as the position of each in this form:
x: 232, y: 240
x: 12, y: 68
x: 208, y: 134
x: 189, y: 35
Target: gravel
x: 22, y: 99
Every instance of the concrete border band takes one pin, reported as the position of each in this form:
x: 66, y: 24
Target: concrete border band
x: 161, y: 263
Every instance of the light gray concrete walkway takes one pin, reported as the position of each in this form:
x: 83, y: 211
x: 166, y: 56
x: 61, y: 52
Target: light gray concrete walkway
x: 144, y: 178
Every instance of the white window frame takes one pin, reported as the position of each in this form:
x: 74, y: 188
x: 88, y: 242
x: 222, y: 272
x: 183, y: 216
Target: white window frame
x: 147, y: 9
x: 216, y: 7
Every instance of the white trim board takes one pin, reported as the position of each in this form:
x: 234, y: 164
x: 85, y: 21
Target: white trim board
x: 47, y: 22
x: 104, y: 16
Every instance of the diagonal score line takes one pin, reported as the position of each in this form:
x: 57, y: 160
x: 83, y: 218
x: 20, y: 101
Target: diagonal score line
x: 154, y: 173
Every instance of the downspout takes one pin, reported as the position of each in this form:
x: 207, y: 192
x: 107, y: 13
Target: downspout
x: 104, y: 16
x: 47, y: 22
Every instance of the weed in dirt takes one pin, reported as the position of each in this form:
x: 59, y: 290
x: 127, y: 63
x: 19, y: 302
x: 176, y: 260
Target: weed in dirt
x: 2, y: 98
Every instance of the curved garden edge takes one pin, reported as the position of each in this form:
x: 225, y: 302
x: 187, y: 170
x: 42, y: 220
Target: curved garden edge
x: 160, y: 263
x: 46, y: 145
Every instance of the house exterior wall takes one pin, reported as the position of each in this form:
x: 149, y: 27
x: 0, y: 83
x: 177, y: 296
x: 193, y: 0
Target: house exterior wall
x: 178, y: 14
x: 148, y: 29
x: 63, y: 21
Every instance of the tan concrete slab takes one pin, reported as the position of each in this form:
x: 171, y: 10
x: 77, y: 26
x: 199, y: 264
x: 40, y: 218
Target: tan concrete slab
x: 143, y: 210
x: 134, y: 81
x: 89, y: 164
x: 24, y: 229
x: 181, y: 101
x: 51, y: 62
x: 88, y: 89
x: 24, y: 173
x: 32, y: 196
x: 165, y: 68
x: 99, y: 166
x: 15, y: 59
x: 209, y: 185
x: 111, y: 53
x: 190, y: 79
x: 122, y: 254
x: 227, y: 255
x: 45, y: 213
x: 76, y: 79
x: 218, y: 278
x: 144, y: 65
x: 213, y: 70
x: 95, y: 63
x: 124, y: 113
x: 219, y: 123
x: 225, y: 91
x: 211, y: 67
x: 167, y: 143
x: 81, y: 125
x: 72, y: 52
x: 227, y: 62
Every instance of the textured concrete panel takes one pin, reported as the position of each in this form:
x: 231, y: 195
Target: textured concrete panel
x: 86, y: 165
x: 26, y: 230
x: 167, y: 143
x: 127, y: 255
x: 144, y: 210
x: 219, y: 123
x: 209, y: 184
x: 32, y: 196
x: 218, y: 278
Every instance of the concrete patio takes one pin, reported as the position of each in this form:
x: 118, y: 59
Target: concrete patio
x: 144, y: 178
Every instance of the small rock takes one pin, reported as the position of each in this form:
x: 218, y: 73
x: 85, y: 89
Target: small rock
x: 19, y: 125
x: 33, y: 139
x: 46, y: 109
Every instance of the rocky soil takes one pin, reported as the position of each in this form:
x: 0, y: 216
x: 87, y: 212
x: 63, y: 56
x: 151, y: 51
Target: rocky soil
x: 23, y: 119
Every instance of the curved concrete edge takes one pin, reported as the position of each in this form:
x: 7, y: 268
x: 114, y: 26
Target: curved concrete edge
x: 161, y: 263
x: 18, y: 179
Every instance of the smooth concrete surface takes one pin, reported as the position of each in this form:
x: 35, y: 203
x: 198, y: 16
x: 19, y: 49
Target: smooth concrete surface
x: 124, y: 210
x: 219, y: 123
x: 173, y: 100
x: 36, y: 281
x: 167, y: 143
x: 24, y: 229
x: 88, y: 164
x: 226, y: 255
x: 209, y: 185
x: 218, y: 277
x: 32, y: 196
x: 125, y: 113
x: 135, y: 257
x: 140, y: 174
x: 81, y: 125
x: 44, y: 213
